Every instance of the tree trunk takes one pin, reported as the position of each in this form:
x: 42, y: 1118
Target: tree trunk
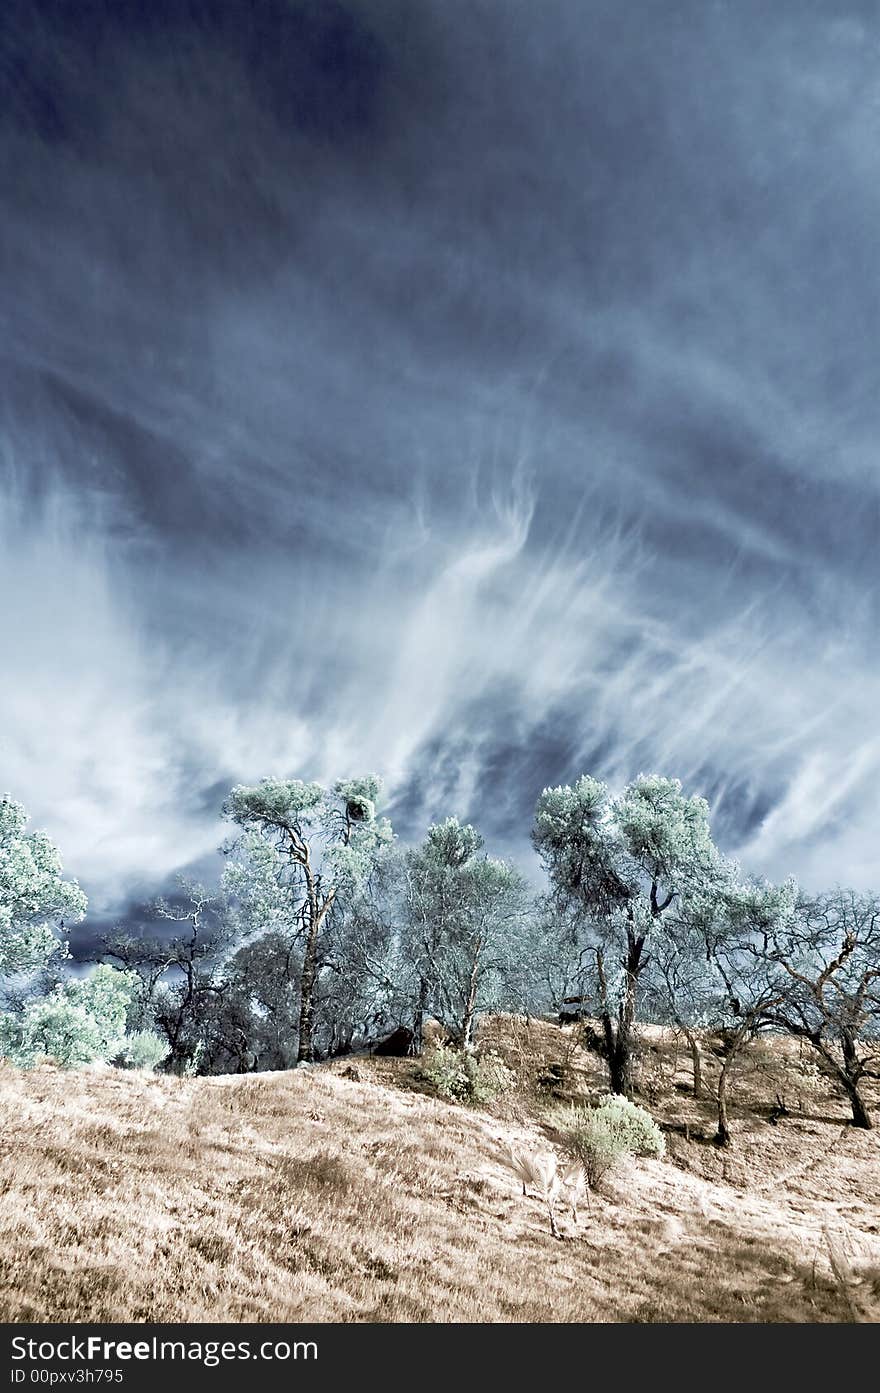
x: 722, y: 1136
x: 306, y: 1050
x: 621, y: 1061
x: 620, y: 1067
x: 696, y: 1060
x: 470, y: 1006
x: 607, y: 1022
x: 735, y: 1044
x: 619, y: 1033
x: 306, y: 1047
x: 418, y: 1043
x: 860, y: 1114
x: 622, y: 1064
x: 846, y: 1075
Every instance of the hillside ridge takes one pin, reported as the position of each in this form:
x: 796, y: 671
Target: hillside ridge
x: 310, y: 1195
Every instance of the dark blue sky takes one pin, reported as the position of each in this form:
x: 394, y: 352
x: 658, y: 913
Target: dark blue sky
x: 478, y: 393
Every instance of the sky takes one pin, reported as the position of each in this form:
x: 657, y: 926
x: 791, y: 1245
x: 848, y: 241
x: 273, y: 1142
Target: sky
x: 477, y: 393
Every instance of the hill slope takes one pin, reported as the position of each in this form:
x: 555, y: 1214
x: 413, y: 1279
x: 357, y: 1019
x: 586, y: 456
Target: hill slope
x: 311, y: 1195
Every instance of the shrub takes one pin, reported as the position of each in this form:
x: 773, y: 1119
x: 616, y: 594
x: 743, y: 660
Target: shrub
x: 633, y: 1124
x: 105, y: 994
x: 466, y: 1078
x: 54, y: 1028
x: 143, y: 1049
x: 78, y: 1023
x: 600, y: 1137
x: 588, y: 1137
x: 190, y: 1067
x: 490, y: 1077
x: 445, y: 1069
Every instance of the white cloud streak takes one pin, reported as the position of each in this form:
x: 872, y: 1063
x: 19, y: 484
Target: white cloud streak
x: 516, y: 456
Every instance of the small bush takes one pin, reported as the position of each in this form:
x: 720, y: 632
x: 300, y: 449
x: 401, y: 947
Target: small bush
x: 52, y: 1028
x: 77, y: 1023
x: 490, y: 1078
x: 588, y: 1137
x: 601, y: 1137
x: 143, y: 1049
x: 466, y: 1078
x: 633, y: 1124
x: 190, y: 1067
x: 444, y: 1068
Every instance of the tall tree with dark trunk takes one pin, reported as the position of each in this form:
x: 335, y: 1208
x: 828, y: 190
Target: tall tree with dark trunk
x: 828, y: 959
x: 617, y: 865
x: 304, y: 847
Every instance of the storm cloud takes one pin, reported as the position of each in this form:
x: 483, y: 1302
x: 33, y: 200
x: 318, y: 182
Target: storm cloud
x: 481, y: 394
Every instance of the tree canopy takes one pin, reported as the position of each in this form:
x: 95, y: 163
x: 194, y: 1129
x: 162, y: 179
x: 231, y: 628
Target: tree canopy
x: 35, y: 900
x: 325, y: 932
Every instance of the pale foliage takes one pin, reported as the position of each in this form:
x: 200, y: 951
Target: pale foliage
x: 604, y: 853
x: 142, y: 1049
x: 452, y: 843
x: 33, y: 895
x: 616, y: 867
x: 664, y: 831
x: 463, y: 919
x: 304, y: 855
x: 633, y: 1124
x: 466, y: 1078
x: 340, y: 825
x: 599, y: 1138
x: 77, y: 1023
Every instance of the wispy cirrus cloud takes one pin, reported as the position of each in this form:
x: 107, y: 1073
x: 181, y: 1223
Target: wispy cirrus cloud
x: 493, y: 402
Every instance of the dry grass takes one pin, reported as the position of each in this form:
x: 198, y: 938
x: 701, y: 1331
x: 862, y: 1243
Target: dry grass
x: 311, y: 1196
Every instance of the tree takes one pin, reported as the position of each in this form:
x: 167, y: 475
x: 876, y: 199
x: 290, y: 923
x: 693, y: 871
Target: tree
x: 34, y: 899
x: 366, y: 988
x: 683, y: 990
x: 534, y: 969
x: 829, y: 957
x: 461, y: 911
x: 252, y: 1024
x: 78, y: 1023
x: 304, y: 848
x: 615, y: 866
x: 734, y: 920
x: 178, y: 973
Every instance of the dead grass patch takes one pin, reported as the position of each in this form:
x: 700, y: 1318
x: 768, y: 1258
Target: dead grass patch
x: 304, y: 1195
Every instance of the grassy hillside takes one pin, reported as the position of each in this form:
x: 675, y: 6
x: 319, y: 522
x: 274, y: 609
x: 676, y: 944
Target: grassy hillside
x: 314, y: 1195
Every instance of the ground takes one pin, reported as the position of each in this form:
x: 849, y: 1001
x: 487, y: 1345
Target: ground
x: 317, y: 1196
